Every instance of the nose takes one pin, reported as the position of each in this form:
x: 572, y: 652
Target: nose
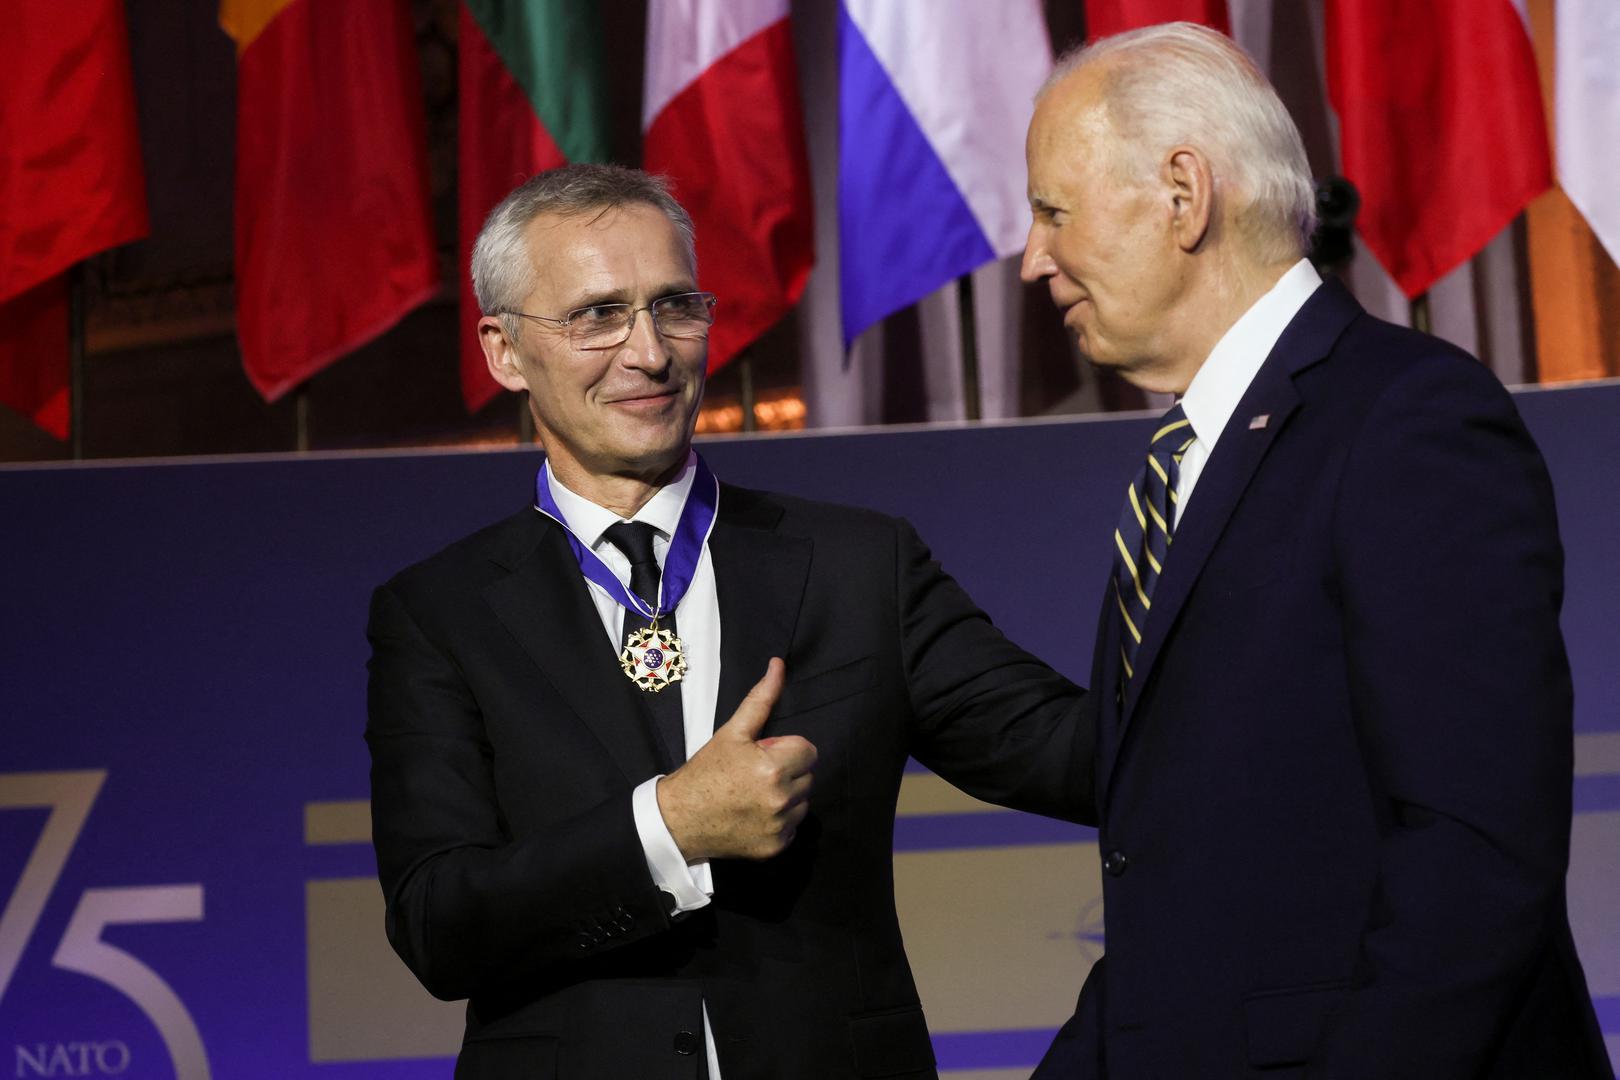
x: 646, y: 348
x: 1037, y: 262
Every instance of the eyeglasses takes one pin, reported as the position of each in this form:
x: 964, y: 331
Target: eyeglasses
x: 607, y: 326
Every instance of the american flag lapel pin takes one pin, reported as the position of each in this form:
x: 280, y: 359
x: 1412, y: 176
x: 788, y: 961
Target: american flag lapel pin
x: 1258, y: 422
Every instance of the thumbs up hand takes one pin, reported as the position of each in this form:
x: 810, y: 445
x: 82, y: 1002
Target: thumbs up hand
x: 741, y: 796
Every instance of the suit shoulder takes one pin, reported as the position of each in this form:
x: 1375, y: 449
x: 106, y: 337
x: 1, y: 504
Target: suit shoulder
x: 471, y: 559
x: 1384, y: 352
x: 1376, y: 366
x: 811, y: 516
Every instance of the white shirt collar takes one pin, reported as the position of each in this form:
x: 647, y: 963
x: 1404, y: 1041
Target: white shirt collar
x: 589, y: 521
x: 1225, y: 377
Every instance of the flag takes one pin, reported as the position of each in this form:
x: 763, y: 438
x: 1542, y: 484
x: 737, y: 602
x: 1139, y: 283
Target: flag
x: 721, y: 116
x: 71, y: 184
x: 533, y: 96
x: 1587, y: 113
x: 334, y: 238
x: 932, y: 115
x: 1440, y: 125
x: 1105, y: 17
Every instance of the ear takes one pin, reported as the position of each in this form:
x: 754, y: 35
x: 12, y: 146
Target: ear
x: 1192, y: 190
x: 500, y: 354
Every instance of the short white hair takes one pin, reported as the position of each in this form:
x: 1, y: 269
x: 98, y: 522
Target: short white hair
x: 502, y: 266
x: 1179, y: 84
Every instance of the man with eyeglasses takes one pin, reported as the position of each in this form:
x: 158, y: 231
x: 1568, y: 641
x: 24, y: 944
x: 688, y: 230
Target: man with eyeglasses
x: 586, y: 821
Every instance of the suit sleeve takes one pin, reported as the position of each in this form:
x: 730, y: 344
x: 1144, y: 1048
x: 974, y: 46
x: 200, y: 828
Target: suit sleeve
x: 990, y: 718
x: 470, y: 909
x: 1451, y: 574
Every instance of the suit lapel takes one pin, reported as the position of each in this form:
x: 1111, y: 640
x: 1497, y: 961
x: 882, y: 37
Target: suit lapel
x: 1238, y: 454
x: 546, y: 605
x: 1105, y: 685
x: 760, y: 576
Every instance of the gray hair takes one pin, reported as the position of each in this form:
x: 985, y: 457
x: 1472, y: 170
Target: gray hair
x: 502, y: 266
x: 1181, y: 83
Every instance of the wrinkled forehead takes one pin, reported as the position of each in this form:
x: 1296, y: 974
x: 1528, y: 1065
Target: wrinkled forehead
x: 606, y: 251
x: 1077, y: 103
x: 1070, y: 131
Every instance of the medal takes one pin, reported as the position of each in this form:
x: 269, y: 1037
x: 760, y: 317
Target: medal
x: 652, y: 658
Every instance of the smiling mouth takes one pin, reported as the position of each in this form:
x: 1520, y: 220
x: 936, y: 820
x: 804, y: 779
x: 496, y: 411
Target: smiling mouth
x: 657, y: 397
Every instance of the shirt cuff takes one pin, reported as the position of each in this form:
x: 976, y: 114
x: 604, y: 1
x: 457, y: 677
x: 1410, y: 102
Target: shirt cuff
x: 691, y: 887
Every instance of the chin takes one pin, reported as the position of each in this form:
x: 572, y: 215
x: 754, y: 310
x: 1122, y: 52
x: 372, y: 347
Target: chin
x: 652, y: 460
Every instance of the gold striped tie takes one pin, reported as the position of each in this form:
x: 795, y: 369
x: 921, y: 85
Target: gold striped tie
x: 1142, y: 541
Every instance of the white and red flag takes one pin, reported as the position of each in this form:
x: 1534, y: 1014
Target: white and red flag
x: 721, y: 119
x: 1440, y: 123
x: 1587, y: 114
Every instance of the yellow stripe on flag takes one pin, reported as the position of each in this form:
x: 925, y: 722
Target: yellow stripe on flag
x: 244, y: 20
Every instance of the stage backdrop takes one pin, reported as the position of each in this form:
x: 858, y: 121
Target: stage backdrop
x: 187, y: 882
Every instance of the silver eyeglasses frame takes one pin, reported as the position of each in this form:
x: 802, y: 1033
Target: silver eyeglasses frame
x: 620, y: 320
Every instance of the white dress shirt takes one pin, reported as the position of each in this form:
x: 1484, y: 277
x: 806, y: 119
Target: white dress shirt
x: 697, y: 623
x: 1232, y: 365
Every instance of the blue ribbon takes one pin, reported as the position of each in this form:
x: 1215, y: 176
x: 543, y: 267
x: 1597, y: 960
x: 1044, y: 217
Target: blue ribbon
x: 680, y: 561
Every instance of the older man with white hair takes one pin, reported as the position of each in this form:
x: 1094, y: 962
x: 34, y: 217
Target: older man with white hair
x: 1334, y: 755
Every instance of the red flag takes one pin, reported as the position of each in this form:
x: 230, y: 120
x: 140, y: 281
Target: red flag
x: 34, y: 369
x: 1440, y: 125
x: 70, y: 183
x: 532, y: 97
x: 1105, y: 17
x: 722, y: 121
x: 334, y: 238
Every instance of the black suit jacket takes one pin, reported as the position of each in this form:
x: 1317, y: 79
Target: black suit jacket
x: 505, y: 744
x: 1335, y: 798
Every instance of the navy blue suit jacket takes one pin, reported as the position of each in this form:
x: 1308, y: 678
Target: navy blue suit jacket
x: 1335, y: 799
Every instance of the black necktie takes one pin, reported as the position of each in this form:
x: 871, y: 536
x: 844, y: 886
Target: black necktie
x: 635, y: 540
x: 1142, y: 541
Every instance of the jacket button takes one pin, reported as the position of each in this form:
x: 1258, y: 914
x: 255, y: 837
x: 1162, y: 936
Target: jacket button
x: 1116, y: 863
x: 686, y: 1043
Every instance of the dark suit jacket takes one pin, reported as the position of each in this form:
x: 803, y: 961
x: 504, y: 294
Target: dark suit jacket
x: 1335, y: 798
x: 505, y: 744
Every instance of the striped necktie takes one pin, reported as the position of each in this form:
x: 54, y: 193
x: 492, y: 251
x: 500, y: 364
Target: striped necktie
x: 1142, y: 541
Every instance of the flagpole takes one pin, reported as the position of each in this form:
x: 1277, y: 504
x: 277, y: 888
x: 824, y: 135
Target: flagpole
x: 1421, y: 319
x: 745, y: 376
x: 76, y: 358
x: 970, y: 347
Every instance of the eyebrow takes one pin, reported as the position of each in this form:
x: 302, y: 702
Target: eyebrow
x: 624, y: 296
